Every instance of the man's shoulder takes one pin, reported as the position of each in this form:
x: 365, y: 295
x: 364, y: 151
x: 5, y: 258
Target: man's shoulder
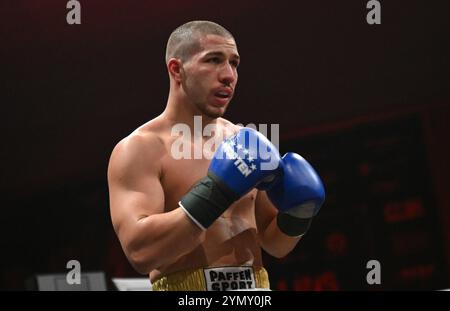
x: 146, y: 137
x: 144, y: 145
x: 140, y: 141
x: 229, y: 125
x: 136, y: 155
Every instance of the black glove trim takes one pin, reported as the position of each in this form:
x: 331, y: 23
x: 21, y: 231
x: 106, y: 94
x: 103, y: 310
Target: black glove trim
x: 207, y: 200
x: 293, y: 226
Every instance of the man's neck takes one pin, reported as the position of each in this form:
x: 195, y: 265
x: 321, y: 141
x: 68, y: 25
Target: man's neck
x: 179, y: 110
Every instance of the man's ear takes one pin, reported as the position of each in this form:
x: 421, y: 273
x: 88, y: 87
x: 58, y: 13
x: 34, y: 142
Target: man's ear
x: 174, y: 66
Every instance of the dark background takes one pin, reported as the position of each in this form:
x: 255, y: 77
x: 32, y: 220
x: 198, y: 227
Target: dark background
x: 368, y: 105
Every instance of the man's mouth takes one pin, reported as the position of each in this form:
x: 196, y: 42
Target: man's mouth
x: 223, y: 93
x: 221, y: 99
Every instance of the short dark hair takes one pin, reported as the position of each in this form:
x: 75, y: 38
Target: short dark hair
x: 184, y: 41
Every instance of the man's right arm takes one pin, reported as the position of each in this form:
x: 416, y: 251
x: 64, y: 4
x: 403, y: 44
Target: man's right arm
x: 149, y: 237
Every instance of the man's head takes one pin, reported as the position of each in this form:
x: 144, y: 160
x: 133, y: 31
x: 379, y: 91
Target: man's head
x: 202, y: 60
x: 185, y: 40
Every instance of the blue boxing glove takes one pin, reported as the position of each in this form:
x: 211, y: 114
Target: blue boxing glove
x: 298, y: 195
x: 240, y: 163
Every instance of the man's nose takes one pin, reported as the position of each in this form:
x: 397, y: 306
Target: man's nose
x: 227, y: 74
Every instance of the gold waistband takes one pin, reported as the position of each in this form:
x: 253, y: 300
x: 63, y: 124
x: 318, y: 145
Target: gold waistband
x: 194, y: 280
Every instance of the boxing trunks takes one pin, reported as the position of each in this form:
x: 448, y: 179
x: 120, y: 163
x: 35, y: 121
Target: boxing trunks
x: 215, y: 279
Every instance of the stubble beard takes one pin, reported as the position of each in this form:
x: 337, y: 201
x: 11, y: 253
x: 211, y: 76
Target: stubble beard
x: 200, y: 102
x: 210, y: 113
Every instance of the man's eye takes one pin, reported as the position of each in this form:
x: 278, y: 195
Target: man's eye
x: 234, y: 63
x: 215, y: 60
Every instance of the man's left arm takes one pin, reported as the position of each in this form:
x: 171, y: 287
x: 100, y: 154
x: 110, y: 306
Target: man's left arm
x: 271, y: 238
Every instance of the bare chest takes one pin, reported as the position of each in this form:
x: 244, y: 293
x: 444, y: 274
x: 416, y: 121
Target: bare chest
x: 180, y: 175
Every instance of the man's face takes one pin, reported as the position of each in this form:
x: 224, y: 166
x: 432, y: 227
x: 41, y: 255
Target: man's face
x: 210, y: 76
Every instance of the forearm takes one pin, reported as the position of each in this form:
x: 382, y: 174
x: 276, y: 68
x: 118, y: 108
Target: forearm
x: 162, y: 238
x: 275, y: 242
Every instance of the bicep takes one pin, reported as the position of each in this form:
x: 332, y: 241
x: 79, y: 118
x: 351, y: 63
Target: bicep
x: 135, y: 189
x: 130, y: 204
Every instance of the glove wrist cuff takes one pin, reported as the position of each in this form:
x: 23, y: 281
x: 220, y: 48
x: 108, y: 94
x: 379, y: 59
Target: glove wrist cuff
x: 207, y: 200
x: 293, y: 226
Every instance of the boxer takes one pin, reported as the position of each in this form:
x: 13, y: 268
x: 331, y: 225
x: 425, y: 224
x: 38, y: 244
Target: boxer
x: 201, y: 223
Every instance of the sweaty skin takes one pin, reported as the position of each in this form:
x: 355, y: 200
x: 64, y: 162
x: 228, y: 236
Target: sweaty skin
x: 232, y: 239
x: 146, y: 181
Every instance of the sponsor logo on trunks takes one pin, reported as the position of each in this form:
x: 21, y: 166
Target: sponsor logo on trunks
x: 229, y: 278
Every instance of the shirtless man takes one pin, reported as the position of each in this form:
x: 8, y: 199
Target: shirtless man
x: 147, y: 184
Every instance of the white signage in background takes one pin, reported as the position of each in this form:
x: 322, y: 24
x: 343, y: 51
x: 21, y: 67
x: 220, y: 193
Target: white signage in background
x: 132, y: 284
